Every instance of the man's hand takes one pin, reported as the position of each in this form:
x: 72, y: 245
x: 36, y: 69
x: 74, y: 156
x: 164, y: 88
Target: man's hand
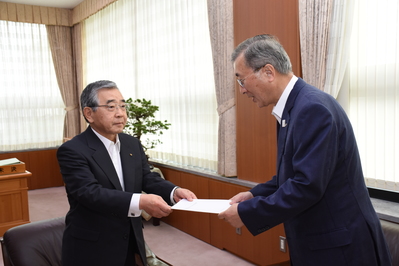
x: 154, y: 205
x: 182, y: 193
x: 231, y: 216
x: 240, y: 197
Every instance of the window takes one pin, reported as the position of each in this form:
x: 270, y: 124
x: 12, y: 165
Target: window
x: 373, y: 73
x: 32, y: 111
x: 161, y: 51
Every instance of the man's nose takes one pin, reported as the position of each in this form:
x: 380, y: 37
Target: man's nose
x: 243, y: 90
x: 119, y: 111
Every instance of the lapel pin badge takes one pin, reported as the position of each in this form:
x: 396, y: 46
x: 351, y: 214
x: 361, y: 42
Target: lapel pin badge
x: 284, y: 124
x: 131, y: 155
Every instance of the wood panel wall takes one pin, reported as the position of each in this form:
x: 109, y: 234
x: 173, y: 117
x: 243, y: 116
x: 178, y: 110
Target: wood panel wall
x: 42, y: 164
x: 256, y: 128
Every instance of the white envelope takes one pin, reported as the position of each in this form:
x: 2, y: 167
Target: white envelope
x: 203, y: 205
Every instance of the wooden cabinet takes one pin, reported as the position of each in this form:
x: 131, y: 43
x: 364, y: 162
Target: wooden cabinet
x: 14, y: 209
x: 263, y: 249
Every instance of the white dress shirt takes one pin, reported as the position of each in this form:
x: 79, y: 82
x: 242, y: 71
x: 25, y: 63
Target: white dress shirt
x: 114, y: 152
x: 279, y: 108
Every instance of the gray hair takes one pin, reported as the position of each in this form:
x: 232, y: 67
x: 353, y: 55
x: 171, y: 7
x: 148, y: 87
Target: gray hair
x: 89, y: 96
x: 261, y: 50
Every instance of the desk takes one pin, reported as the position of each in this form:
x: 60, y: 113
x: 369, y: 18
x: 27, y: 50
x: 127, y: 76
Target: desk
x: 14, y: 209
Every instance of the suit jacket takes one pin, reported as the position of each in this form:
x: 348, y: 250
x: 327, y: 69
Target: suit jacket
x: 319, y: 190
x: 97, y: 224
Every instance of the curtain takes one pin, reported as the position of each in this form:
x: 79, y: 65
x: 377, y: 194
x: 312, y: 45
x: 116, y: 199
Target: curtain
x: 220, y: 14
x: 78, y: 55
x: 314, y: 25
x: 161, y: 51
x: 338, y: 45
x: 32, y: 111
x: 374, y: 90
x: 60, y: 39
x: 17, y: 12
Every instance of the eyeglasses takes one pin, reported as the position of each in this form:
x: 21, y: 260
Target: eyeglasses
x: 241, y: 81
x: 113, y: 106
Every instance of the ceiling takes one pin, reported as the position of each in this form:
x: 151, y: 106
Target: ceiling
x: 51, y: 3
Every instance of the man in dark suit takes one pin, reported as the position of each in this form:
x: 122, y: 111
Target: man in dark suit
x: 319, y: 191
x: 105, y: 172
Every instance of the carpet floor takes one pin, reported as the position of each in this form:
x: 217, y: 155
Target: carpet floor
x: 167, y: 242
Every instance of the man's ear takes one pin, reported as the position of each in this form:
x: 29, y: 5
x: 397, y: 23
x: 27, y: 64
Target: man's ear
x: 270, y: 72
x: 87, y: 112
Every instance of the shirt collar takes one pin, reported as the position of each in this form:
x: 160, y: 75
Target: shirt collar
x: 108, y: 143
x: 279, y: 108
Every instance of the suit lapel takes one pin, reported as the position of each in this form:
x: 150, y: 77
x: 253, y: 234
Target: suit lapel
x: 286, y: 123
x: 281, y: 138
x: 101, y: 156
x: 128, y: 159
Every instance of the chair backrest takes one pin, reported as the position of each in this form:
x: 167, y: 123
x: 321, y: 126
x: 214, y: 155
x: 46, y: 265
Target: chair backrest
x: 36, y: 243
x: 391, y: 232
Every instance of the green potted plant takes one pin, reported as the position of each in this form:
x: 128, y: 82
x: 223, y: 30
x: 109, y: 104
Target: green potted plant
x: 141, y: 121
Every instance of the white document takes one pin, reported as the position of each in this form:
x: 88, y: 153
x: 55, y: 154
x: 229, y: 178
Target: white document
x: 9, y: 161
x: 203, y: 205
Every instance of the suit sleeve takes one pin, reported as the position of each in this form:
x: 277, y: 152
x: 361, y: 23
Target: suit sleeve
x: 265, y: 189
x: 306, y: 164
